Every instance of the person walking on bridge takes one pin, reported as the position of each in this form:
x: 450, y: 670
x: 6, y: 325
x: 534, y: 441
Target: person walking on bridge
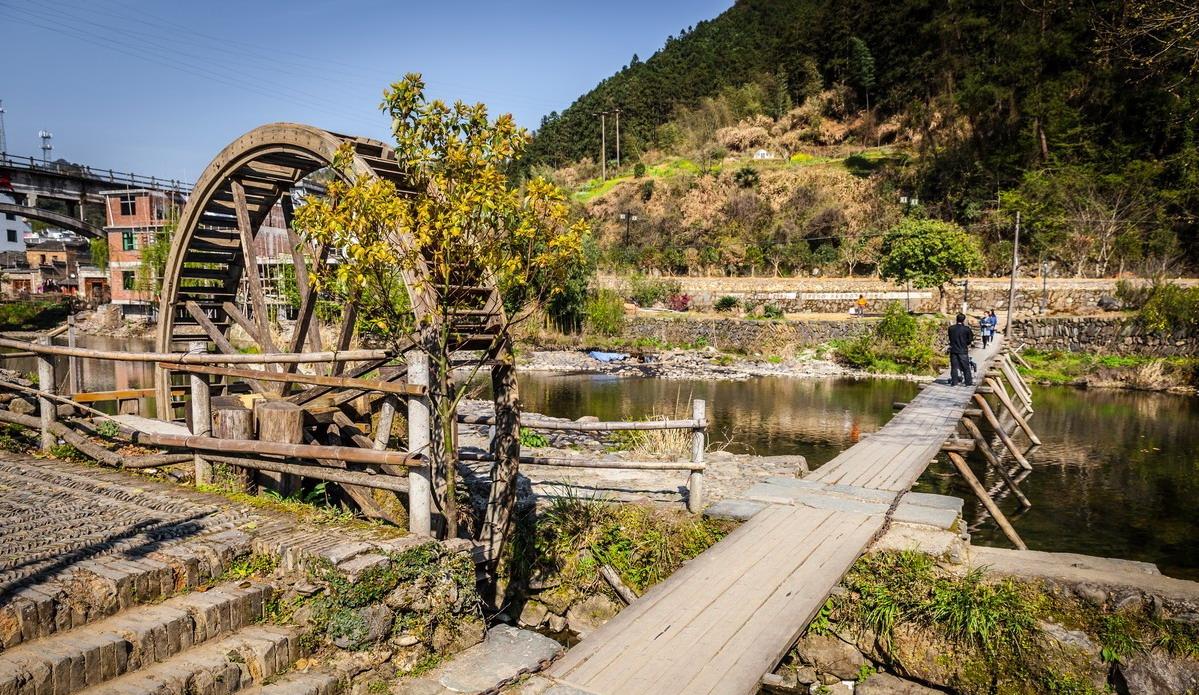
x: 960, y: 339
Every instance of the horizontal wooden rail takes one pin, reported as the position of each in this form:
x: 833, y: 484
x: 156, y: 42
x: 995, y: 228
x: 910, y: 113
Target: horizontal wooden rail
x: 175, y: 358
x: 16, y: 355
x: 573, y: 462
x: 119, y: 395
x: 540, y: 424
x: 334, y: 475
x: 379, y: 385
x: 348, y: 454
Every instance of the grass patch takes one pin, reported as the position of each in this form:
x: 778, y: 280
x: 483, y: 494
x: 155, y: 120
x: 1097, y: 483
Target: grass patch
x: 1075, y: 368
x: 32, y: 315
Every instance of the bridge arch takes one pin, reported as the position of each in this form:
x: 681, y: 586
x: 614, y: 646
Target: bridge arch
x: 55, y: 218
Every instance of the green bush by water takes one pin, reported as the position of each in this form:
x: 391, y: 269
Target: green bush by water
x: 604, y: 313
x: 644, y: 290
x: 32, y: 315
x: 899, y: 344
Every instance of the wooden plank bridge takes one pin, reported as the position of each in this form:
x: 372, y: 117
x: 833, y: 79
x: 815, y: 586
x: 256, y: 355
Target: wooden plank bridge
x: 729, y: 616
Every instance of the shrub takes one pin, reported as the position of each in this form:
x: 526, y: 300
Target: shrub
x: 897, y: 325
x: 647, y: 190
x: 647, y: 291
x: 604, y: 313
x: 1169, y: 307
x: 899, y: 343
x: 772, y: 311
x: 727, y: 303
x: 639, y: 169
x: 747, y: 177
x: 679, y: 302
x: 532, y: 439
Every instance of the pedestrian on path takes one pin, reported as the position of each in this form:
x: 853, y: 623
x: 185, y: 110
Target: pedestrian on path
x: 986, y: 326
x: 960, y: 339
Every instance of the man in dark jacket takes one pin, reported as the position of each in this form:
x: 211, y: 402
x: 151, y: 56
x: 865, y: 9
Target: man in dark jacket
x: 960, y: 339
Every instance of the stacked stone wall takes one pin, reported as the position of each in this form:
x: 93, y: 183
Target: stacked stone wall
x: 1119, y: 335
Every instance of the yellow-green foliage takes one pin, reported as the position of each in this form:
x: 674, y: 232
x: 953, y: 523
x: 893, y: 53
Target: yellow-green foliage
x: 899, y: 343
x: 604, y: 313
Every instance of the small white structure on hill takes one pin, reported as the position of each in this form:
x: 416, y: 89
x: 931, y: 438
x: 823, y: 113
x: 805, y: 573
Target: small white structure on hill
x: 763, y: 154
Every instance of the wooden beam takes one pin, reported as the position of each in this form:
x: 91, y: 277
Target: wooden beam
x: 402, y: 389
x: 569, y: 425
x: 1003, y: 435
x: 175, y: 358
x: 988, y: 503
x: 335, y: 475
x: 215, y: 335
x: 981, y: 444
x: 1011, y: 408
x: 253, y: 281
x: 580, y: 462
x: 349, y: 454
x: 349, y: 323
x: 300, y: 264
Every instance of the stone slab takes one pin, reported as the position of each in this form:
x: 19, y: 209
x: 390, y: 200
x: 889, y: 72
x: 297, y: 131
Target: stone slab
x: 505, y: 654
x: 737, y: 509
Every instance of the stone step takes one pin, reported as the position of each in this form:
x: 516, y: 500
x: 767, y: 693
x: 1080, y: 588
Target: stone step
x: 95, y: 588
x: 242, y: 661
x: 311, y: 683
x: 133, y: 640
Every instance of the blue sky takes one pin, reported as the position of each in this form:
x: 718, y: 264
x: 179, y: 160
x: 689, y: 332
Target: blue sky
x: 159, y: 87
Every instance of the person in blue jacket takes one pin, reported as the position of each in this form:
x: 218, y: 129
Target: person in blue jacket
x: 986, y: 326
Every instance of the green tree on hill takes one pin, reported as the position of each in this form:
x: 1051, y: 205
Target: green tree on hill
x: 861, y: 67
x: 928, y: 253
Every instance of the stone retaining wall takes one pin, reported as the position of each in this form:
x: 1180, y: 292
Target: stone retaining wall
x: 743, y: 335
x: 1103, y: 334
x: 837, y: 295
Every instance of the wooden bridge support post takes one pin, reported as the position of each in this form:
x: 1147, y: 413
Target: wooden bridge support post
x: 235, y: 421
x: 47, y: 409
x: 1011, y: 408
x: 74, y: 364
x: 981, y: 493
x: 420, y: 482
x: 1017, y: 382
x: 1003, y: 435
x: 980, y: 443
x: 201, y: 414
x: 695, y: 481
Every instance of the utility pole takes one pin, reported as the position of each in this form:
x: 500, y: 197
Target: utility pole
x: 617, y: 139
x: 1011, y: 296
x: 603, y: 145
x: 46, y: 136
x: 3, y: 140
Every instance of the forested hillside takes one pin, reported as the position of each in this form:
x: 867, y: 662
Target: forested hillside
x: 1082, y: 116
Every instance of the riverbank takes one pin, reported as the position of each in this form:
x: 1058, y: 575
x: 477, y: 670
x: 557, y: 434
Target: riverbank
x: 1179, y: 375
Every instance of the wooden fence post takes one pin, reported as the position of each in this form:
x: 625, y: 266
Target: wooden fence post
x: 695, y: 481
x: 283, y: 422
x: 74, y: 363
x: 47, y: 381
x: 235, y: 421
x: 420, y: 484
x: 201, y: 412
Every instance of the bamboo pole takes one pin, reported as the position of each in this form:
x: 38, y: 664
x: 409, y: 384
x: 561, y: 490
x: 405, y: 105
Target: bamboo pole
x: 16, y: 355
x: 1011, y: 408
x: 175, y: 358
x: 305, y: 451
x: 201, y: 415
x: 93, y: 450
x: 540, y: 424
x: 387, y: 414
x: 316, y: 380
x: 335, y: 475
x: 47, y: 410
x: 580, y: 462
x: 695, y: 481
x: 1003, y: 435
x: 980, y: 444
x: 988, y: 503
x: 420, y: 481
x: 1016, y: 355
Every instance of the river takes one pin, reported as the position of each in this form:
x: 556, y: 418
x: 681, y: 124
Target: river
x: 1118, y: 474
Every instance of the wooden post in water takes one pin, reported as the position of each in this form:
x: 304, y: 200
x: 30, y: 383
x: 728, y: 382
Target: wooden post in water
x: 980, y: 443
x: 201, y: 414
x: 1017, y: 382
x: 420, y: 483
x: 981, y: 492
x: 1011, y: 408
x: 235, y: 421
x: 283, y: 422
x: 695, y: 481
x: 1003, y: 435
x: 47, y: 409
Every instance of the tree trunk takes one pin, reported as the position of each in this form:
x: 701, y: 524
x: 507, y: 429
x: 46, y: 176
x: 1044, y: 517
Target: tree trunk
x: 280, y: 421
x: 505, y: 449
x: 442, y: 455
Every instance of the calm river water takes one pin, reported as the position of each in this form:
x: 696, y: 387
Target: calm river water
x: 1118, y: 474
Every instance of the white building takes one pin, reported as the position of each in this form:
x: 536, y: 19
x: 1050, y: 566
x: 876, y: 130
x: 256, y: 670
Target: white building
x: 12, y: 228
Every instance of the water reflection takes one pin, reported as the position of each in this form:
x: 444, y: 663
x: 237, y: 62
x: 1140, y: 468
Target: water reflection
x: 99, y: 375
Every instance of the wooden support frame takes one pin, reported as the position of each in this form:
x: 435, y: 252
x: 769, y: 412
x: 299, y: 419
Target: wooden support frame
x: 1011, y: 408
x: 981, y: 445
x: 250, y: 256
x: 579, y: 462
x: 1018, y: 385
x: 993, y: 509
x: 216, y: 336
x: 314, y: 379
x: 174, y: 358
x: 201, y: 416
x: 999, y: 430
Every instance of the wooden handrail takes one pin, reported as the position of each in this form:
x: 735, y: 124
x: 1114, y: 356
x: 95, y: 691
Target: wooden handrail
x: 579, y: 462
x: 175, y: 358
x: 540, y: 424
x: 382, y: 386
x: 348, y: 454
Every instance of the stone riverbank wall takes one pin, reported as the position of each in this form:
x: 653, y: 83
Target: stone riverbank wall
x: 1117, y: 335
x: 837, y: 295
x: 1112, y: 334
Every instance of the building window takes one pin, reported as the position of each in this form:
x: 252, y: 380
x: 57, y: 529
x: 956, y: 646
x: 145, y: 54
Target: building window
x: 127, y: 279
x: 12, y: 236
x: 128, y: 205
x: 128, y: 240
x: 10, y: 216
x: 43, y: 259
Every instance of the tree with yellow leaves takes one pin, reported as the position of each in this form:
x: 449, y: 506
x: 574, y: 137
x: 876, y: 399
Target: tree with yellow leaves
x: 458, y: 226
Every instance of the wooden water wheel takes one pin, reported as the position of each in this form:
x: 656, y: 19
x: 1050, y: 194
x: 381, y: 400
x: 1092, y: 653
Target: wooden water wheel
x: 212, y: 280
